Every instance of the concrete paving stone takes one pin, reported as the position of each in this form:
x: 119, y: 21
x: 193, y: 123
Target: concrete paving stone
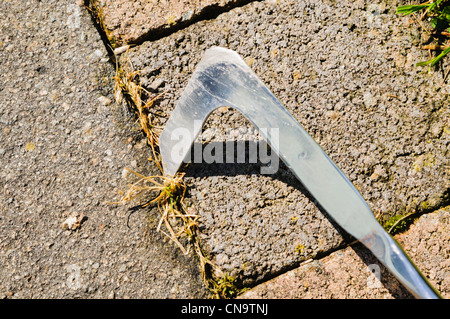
x: 345, y: 70
x: 132, y: 21
x: 354, y: 273
x: 63, y: 147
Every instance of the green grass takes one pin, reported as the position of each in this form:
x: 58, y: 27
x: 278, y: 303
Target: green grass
x: 437, y: 14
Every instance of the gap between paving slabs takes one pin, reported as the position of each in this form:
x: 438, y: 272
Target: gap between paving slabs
x: 127, y: 22
x: 176, y: 221
x: 143, y: 108
x: 354, y: 272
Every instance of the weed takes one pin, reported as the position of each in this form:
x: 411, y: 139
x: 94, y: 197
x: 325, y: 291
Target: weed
x: 176, y: 222
x: 168, y: 193
x: 225, y: 287
x: 437, y: 13
x: 125, y: 87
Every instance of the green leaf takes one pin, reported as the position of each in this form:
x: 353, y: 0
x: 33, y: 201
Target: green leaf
x: 435, y: 60
x: 445, y: 14
x: 434, y: 5
x: 438, y: 23
x: 405, y: 10
x: 434, y: 23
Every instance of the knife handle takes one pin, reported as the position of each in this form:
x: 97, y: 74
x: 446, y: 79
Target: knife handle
x: 390, y: 253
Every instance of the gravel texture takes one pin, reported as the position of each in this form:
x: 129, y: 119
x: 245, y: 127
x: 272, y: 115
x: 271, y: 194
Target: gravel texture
x: 63, y: 148
x: 345, y: 70
x: 354, y: 273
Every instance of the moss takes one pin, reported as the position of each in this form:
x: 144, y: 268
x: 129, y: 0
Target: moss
x: 110, y: 36
x: 398, y: 223
x: 424, y: 205
x: 171, y: 20
x: 97, y: 13
x: 299, y: 249
x: 424, y: 160
x: 446, y: 130
x: 225, y: 287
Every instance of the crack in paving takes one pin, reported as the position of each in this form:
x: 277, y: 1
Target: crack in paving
x: 140, y: 28
x: 62, y: 154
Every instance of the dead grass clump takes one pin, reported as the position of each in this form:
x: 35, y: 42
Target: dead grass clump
x: 126, y: 87
x: 179, y: 225
x: 176, y: 222
x: 168, y: 194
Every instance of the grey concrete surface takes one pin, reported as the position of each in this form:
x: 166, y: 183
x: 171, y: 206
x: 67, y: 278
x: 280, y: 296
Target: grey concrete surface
x: 345, y: 70
x: 63, y: 148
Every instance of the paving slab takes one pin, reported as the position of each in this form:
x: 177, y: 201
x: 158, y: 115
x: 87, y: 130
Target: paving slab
x: 345, y: 70
x: 134, y: 21
x: 63, y: 148
x: 354, y: 273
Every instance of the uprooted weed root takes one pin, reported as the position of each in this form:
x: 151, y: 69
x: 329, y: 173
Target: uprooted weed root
x: 179, y: 225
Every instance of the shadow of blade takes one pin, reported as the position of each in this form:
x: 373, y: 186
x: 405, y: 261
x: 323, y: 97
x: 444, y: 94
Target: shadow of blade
x: 250, y: 163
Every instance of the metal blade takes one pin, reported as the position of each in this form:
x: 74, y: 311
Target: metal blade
x: 222, y: 78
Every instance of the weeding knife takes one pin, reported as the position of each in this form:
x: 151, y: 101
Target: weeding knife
x: 222, y: 78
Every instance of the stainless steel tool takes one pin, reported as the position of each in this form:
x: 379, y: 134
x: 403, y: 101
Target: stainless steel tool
x: 222, y: 78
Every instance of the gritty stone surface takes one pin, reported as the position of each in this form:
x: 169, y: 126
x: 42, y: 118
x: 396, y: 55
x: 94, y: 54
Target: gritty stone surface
x: 428, y: 242
x: 354, y: 273
x: 131, y: 21
x: 345, y: 70
x: 63, y: 147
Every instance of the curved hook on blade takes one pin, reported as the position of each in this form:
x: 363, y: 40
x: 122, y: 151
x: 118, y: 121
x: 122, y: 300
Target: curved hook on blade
x: 222, y: 78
